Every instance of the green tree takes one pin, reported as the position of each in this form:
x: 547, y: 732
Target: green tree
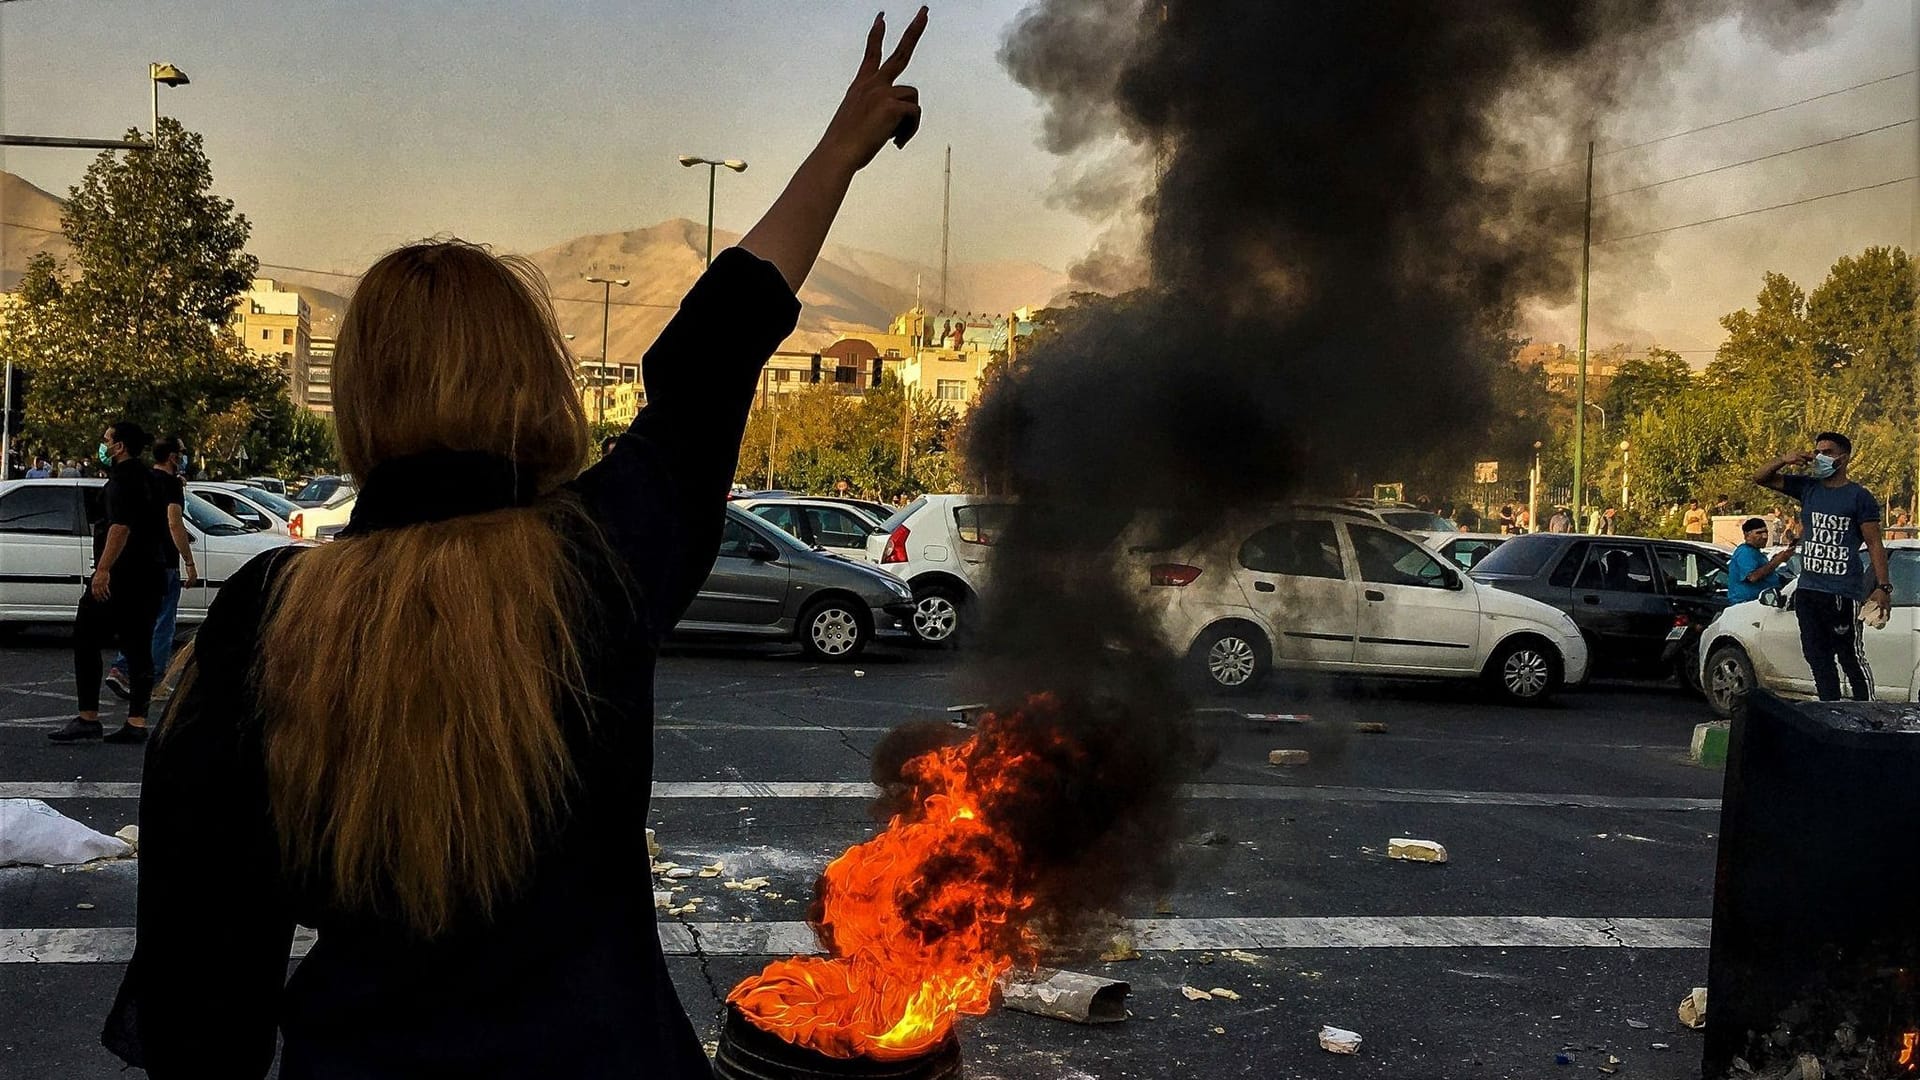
x: 137, y: 323
x: 1862, y: 321
x: 1644, y: 382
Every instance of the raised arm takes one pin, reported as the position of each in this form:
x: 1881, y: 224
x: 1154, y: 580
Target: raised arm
x: 791, y: 232
x: 1769, y: 477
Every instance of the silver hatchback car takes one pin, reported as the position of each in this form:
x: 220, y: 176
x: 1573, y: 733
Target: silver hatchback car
x: 765, y: 585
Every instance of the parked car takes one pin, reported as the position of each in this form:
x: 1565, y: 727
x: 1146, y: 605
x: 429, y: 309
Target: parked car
x: 257, y: 509
x: 1465, y: 549
x: 1641, y: 603
x: 1313, y: 590
x: 328, y: 503
x: 821, y: 523
x: 46, y: 549
x: 268, y: 483
x: 1402, y: 516
x: 1757, y: 643
x: 938, y: 545
x: 766, y: 585
x: 878, y: 511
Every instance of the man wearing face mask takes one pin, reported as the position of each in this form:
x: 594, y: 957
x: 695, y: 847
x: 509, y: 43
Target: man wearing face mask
x: 1837, y: 515
x: 123, y: 598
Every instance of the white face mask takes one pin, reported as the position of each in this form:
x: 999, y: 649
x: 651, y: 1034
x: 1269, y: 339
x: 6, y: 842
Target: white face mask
x: 1822, y: 466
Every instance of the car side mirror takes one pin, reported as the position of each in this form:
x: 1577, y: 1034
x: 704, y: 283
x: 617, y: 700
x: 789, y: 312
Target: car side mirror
x: 761, y: 551
x: 1451, y: 577
x: 1773, y: 598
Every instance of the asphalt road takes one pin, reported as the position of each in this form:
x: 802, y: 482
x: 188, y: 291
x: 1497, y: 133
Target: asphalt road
x: 1573, y: 909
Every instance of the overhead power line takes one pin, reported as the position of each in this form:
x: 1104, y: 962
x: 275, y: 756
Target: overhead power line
x: 1728, y: 121
x: 1756, y: 210
x: 1755, y: 160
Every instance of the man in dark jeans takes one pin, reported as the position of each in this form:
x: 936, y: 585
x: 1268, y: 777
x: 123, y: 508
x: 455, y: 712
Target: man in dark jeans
x: 1837, y: 515
x: 123, y: 599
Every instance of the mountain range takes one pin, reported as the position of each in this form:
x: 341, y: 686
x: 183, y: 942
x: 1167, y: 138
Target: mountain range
x: 850, y: 290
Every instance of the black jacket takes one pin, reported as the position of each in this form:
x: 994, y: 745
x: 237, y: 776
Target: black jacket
x: 568, y: 980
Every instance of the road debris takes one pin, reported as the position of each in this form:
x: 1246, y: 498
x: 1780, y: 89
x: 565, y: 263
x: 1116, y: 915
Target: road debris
x: 1663, y: 1046
x: 1223, y: 992
x: 131, y: 834
x: 1121, y: 948
x: 1244, y: 956
x: 662, y: 900
x: 1693, y: 1008
x: 1400, y: 847
x: 83, y: 906
x: 859, y: 674
x: 653, y: 845
x: 712, y: 870
x: 679, y: 872
x: 1287, y: 757
x: 1278, y: 717
x: 1612, y: 1065
x: 1066, y: 995
x: 1339, y: 1040
x: 1807, y: 1067
x: 1637, y: 1025
x: 1370, y: 727
x: 1195, y: 994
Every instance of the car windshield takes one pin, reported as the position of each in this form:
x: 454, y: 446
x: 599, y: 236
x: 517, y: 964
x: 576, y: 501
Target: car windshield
x: 212, y: 520
x: 279, y: 504
x: 779, y: 536
x: 318, y: 490
x: 902, y: 515
x: 1522, y: 557
x: 1418, y: 521
x: 1903, y: 565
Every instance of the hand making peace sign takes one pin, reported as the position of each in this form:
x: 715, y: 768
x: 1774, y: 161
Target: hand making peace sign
x: 875, y: 108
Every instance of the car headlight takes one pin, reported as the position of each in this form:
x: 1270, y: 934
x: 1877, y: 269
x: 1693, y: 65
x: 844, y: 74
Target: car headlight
x: 899, y: 588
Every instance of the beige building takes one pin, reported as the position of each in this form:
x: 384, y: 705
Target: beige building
x: 611, y: 392
x: 278, y: 325
x: 1562, y: 365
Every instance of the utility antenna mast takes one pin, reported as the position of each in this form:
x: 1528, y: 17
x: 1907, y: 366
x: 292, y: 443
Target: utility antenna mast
x: 946, y: 214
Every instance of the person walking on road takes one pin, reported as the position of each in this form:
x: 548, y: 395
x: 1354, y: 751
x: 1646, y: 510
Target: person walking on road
x: 123, y: 598
x: 170, y: 500
x: 1751, y: 571
x: 1696, y: 521
x: 424, y: 739
x: 1838, y: 515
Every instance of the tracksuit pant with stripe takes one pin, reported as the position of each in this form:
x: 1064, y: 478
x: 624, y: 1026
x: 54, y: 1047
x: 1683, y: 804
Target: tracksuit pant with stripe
x: 1830, y: 632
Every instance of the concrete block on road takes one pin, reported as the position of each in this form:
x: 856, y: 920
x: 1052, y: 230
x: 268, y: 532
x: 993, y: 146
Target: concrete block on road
x: 1416, y: 850
x: 1709, y: 747
x: 1287, y: 757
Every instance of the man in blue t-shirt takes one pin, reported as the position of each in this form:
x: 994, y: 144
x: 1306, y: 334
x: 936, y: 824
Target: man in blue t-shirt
x: 1750, y: 572
x: 1837, y: 516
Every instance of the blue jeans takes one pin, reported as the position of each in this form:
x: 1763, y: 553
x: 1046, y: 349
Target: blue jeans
x: 162, y: 630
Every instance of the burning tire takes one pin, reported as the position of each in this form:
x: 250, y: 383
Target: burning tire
x: 1232, y: 656
x: 831, y: 629
x: 1524, y: 670
x: 1729, y: 678
x: 937, y: 611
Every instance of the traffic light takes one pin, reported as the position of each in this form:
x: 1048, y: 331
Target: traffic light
x: 816, y: 368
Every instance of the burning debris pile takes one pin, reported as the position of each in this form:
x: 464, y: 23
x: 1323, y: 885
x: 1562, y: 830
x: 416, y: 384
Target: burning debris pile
x: 995, y: 846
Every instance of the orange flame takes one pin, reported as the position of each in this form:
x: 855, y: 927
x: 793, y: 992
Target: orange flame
x: 1908, y: 1049
x: 923, y: 919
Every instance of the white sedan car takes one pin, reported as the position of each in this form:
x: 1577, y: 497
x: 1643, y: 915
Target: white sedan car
x: 820, y: 523
x: 1336, y: 592
x: 46, y: 549
x: 1757, y: 643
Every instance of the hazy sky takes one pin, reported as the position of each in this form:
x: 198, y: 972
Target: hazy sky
x: 343, y: 127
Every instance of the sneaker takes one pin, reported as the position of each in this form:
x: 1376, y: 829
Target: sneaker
x: 77, y: 730
x: 117, y: 682
x: 127, y: 734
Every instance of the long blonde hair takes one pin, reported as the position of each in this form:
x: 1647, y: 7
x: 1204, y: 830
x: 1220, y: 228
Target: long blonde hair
x: 412, y: 677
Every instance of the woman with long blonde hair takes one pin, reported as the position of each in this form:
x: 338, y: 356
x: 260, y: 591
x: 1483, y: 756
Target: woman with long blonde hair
x: 431, y: 740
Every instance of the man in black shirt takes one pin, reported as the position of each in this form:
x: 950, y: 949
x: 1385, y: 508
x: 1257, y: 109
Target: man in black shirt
x: 123, y: 599
x: 176, y: 551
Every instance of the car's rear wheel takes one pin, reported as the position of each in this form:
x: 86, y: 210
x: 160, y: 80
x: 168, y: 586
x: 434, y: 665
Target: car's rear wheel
x: 832, y: 630
x: 1524, y: 671
x: 937, y: 613
x: 1729, y: 678
x: 1232, y: 657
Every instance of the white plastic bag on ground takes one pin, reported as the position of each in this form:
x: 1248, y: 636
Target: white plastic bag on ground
x: 35, y: 834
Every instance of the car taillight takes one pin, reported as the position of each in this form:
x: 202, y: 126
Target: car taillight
x: 1680, y: 622
x: 896, y: 550
x: 297, y: 528
x: 1177, y: 574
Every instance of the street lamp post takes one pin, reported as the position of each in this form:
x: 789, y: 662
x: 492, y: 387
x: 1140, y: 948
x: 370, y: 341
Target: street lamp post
x: 600, y: 377
x: 158, y: 73
x: 713, y: 168
x: 1533, y: 491
x: 1626, y: 461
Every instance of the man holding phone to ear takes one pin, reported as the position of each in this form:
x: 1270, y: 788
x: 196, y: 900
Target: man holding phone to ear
x: 1837, y: 516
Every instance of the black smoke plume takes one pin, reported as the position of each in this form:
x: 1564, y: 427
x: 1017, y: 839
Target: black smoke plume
x: 1347, y: 205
